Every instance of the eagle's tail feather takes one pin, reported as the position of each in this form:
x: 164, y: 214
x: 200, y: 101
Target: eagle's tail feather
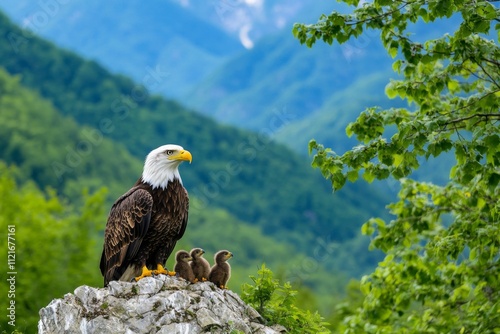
x: 132, y: 272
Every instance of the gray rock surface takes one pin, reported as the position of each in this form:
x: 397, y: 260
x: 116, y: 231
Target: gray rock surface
x: 160, y: 304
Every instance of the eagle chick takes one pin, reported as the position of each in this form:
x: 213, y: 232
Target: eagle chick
x: 221, y: 270
x: 182, y: 267
x: 200, y: 266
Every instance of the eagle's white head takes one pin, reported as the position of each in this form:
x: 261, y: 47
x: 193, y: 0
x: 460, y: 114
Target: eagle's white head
x: 162, y: 164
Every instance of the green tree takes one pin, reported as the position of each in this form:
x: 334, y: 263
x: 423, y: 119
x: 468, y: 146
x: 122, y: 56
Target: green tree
x: 442, y: 264
x: 52, y: 246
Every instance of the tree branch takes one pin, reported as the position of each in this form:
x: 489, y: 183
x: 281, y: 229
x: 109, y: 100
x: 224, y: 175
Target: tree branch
x: 458, y: 120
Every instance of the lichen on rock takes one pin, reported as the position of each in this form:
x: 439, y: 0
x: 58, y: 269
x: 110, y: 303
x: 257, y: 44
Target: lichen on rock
x: 161, y: 304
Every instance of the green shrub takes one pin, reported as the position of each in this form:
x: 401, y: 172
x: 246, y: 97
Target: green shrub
x: 276, y: 303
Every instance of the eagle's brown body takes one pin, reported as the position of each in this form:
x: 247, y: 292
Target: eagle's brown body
x: 142, y: 229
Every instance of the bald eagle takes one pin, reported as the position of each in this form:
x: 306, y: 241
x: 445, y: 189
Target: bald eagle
x: 145, y: 223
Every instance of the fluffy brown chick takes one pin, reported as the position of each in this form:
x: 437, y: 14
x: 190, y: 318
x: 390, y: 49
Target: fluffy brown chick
x: 221, y: 270
x: 200, y: 266
x: 182, y: 267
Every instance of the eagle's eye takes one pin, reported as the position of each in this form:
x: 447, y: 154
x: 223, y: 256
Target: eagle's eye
x: 169, y: 152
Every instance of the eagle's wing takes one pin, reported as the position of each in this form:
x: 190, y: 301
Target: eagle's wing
x: 127, y: 225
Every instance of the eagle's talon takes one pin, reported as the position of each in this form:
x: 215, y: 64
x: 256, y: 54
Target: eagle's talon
x: 145, y: 273
x: 160, y: 270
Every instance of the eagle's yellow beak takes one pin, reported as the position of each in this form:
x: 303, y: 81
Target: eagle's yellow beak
x: 182, y: 156
x: 228, y: 256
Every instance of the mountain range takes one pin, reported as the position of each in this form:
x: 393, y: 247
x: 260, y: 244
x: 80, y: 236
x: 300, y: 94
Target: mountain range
x: 234, y: 60
x: 197, y: 48
x: 69, y: 124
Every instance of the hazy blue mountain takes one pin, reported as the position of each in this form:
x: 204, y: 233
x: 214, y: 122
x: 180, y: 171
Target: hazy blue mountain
x: 196, y: 46
x: 306, y: 93
x: 242, y: 175
x: 185, y: 40
x: 280, y: 75
x: 278, y: 87
x: 195, y: 49
x: 250, y: 20
x: 327, y: 124
x: 134, y: 37
x: 244, y: 172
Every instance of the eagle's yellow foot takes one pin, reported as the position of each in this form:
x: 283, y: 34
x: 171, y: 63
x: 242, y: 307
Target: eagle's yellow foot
x: 160, y: 270
x: 203, y: 279
x: 195, y: 280
x: 145, y: 273
x: 223, y: 287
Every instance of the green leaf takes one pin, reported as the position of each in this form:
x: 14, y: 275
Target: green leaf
x: 385, y: 314
x: 482, y: 26
x: 453, y: 86
x: 312, y: 146
x: 393, y: 52
x: 368, y: 176
x: 480, y: 203
x: 310, y: 41
x: 349, y: 130
x: 367, y: 229
x: 422, y: 12
x: 493, y: 180
x: 487, y: 10
x: 493, y: 141
x: 390, y: 91
x: 352, y: 175
x: 398, y: 159
x: 379, y: 222
x: 365, y: 288
x: 461, y: 293
x: 472, y: 254
x: 396, y: 66
x: 338, y: 180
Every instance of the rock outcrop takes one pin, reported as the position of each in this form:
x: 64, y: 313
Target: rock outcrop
x: 160, y: 304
